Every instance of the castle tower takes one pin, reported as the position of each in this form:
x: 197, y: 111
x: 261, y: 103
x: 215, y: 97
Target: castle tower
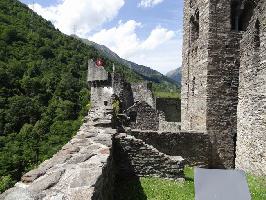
x: 210, y: 75
x: 251, y: 111
x: 99, y: 80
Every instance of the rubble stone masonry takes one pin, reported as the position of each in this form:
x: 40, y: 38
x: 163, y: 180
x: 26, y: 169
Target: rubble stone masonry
x: 251, y: 133
x: 223, y: 79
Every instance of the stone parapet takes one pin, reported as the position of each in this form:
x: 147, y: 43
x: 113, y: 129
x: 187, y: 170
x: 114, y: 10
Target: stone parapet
x: 194, y: 147
x: 82, y: 169
x: 141, y: 159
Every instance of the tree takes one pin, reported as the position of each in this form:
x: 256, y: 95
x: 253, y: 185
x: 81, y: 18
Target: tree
x: 10, y: 35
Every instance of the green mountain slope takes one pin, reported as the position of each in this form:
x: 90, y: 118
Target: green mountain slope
x: 43, y: 92
x: 175, y: 75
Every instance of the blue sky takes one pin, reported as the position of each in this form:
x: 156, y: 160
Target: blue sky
x: 147, y: 32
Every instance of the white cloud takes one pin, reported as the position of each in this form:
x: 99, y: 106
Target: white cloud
x: 80, y: 15
x: 158, y: 36
x: 121, y: 39
x: 149, y: 3
x: 159, y: 50
x: 166, y: 57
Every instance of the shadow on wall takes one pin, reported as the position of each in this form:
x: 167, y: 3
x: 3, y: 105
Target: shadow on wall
x: 196, y: 148
x: 127, y: 184
x: 171, y: 107
x: 129, y: 188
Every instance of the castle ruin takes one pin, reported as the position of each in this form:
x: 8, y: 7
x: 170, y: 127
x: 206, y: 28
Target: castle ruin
x: 223, y: 80
x: 128, y: 132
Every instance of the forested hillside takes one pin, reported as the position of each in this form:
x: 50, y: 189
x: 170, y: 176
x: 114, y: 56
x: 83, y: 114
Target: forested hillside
x: 43, y: 92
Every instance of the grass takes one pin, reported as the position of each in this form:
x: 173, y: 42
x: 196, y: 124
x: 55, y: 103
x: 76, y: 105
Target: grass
x: 161, y: 189
x: 257, y: 187
x: 160, y: 94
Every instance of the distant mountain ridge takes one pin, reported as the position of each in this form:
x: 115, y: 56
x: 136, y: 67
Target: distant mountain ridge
x: 145, y: 72
x: 175, y: 75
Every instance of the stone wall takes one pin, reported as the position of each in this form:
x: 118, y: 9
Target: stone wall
x: 251, y: 135
x: 165, y: 126
x: 96, y: 73
x: 194, y: 147
x: 143, y: 92
x: 172, y: 127
x: 170, y: 107
x: 222, y: 84
x: 210, y: 76
x: 82, y: 169
x: 143, y: 116
x: 123, y: 91
x: 135, y: 158
x: 194, y: 66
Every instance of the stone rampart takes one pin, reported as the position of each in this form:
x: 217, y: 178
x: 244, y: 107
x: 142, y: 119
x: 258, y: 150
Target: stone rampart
x: 194, y: 147
x: 135, y: 157
x: 87, y: 166
x: 82, y: 169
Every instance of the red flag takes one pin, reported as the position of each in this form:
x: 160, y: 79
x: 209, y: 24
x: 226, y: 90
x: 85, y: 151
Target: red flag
x: 99, y: 62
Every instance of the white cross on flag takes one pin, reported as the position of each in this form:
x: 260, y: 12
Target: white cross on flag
x: 99, y: 62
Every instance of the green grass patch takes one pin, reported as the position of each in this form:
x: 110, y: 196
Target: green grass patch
x: 149, y: 188
x: 166, y: 94
x: 160, y: 189
x: 257, y: 187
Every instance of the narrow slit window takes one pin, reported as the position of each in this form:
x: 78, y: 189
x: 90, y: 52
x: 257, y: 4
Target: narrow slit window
x: 257, y: 35
x: 193, y: 85
x: 246, y: 15
x: 194, y: 27
x: 235, y: 14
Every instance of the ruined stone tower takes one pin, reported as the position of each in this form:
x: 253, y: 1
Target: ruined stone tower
x: 251, y: 111
x: 210, y: 76
x: 222, y: 49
